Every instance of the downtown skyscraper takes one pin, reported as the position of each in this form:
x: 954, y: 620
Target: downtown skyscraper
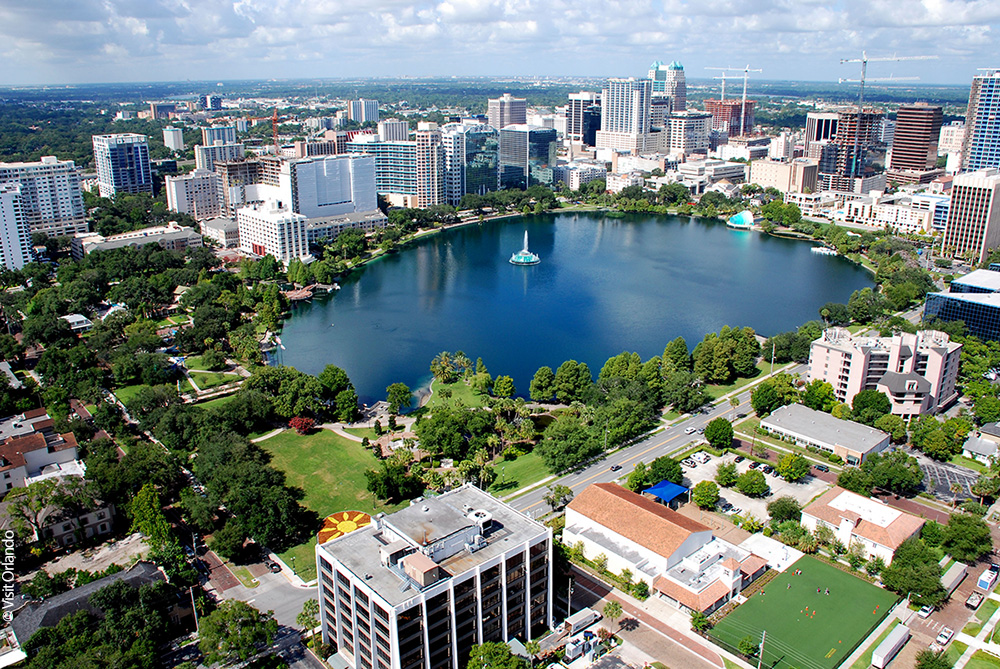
x: 982, y: 123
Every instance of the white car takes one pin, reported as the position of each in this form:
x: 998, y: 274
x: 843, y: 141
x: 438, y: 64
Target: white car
x: 689, y: 430
x: 945, y: 636
x: 925, y: 611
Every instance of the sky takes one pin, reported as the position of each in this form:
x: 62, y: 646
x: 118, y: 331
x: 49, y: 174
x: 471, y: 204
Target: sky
x: 90, y: 41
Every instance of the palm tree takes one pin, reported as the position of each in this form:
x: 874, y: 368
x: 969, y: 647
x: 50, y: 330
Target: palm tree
x: 443, y: 367
x: 612, y: 611
x: 533, y: 648
x: 955, y: 489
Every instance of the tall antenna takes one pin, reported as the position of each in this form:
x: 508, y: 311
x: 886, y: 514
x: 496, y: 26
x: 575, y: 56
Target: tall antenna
x: 746, y: 74
x: 864, y: 60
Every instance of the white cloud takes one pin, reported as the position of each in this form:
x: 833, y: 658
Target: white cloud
x: 90, y: 40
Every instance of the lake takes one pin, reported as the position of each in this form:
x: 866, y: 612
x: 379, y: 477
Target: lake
x: 604, y: 285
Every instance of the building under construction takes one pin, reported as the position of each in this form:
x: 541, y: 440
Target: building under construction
x: 726, y: 115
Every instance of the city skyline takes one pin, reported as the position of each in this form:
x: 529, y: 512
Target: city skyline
x: 127, y: 40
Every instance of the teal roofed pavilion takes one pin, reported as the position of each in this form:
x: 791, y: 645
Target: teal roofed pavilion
x: 524, y: 256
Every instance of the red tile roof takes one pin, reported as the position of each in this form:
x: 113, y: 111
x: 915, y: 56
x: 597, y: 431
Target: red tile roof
x: 693, y: 600
x: 636, y: 518
x: 890, y: 536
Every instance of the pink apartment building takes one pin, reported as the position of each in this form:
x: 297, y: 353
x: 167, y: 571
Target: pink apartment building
x: 917, y: 371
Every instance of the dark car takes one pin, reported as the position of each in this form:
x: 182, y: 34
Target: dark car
x: 821, y: 468
x: 767, y: 469
x: 739, y: 458
x: 615, y: 468
x: 995, y: 567
x: 754, y: 465
x: 740, y: 415
x: 273, y: 566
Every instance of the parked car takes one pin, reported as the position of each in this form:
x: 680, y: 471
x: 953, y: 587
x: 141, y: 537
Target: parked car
x: 754, y: 465
x: 945, y: 636
x: 925, y: 611
x: 740, y: 415
x: 726, y: 507
x: 689, y: 463
x: 273, y: 566
x: 767, y: 469
x: 821, y: 468
x: 615, y: 468
x: 974, y: 600
x: 189, y: 552
x: 994, y: 567
x: 736, y: 511
x: 739, y: 458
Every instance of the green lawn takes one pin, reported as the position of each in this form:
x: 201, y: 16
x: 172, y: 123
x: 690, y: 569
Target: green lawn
x: 982, y: 660
x: 516, y: 474
x: 865, y: 660
x: 362, y: 432
x: 718, y: 391
x: 218, y: 401
x: 806, y: 628
x: 206, y: 380
x: 125, y: 393
x: 969, y: 463
x: 459, y: 392
x: 331, y: 471
x: 954, y: 651
x: 986, y: 609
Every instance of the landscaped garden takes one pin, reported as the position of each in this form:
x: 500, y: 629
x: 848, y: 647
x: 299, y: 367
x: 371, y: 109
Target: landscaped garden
x: 805, y: 626
x: 308, y: 463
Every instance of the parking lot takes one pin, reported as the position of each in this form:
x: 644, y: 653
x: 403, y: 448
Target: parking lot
x: 939, y: 476
x: 802, y: 491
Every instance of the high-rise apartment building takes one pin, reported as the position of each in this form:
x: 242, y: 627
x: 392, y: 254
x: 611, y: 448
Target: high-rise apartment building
x: 973, y: 227
x: 579, y: 111
x: 393, y: 130
x: 788, y: 176
x: 196, y: 193
x: 272, y: 228
x: 51, y: 201
x: 211, y: 102
x: 527, y: 155
x: 918, y: 372
x: 122, y: 162
x: 506, y: 110
x: 235, y: 178
x: 660, y: 107
x: 410, y: 173
x: 727, y: 116
x: 625, y: 107
x: 363, y: 111
x: 690, y: 131
x: 420, y: 587
x: 205, y: 157
x: 981, y: 146
x: 669, y: 80
x: 951, y: 138
x: 913, y: 158
x: 15, y: 236
x: 159, y: 110
x: 173, y: 138
x: 218, y: 133
x: 471, y: 160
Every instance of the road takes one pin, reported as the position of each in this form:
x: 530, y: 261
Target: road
x: 668, y: 442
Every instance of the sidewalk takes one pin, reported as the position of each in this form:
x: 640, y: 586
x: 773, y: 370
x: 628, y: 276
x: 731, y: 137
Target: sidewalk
x: 981, y: 640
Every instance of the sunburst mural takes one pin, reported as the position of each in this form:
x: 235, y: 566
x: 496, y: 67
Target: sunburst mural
x: 340, y: 523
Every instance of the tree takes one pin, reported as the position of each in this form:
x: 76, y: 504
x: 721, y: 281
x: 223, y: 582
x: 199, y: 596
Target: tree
x: 819, y: 395
x: 928, y: 659
x: 558, y: 496
x: 638, y: 478
x: 566, y: 442
x: 493, y: 655
x: 543, y: 385
x: 147, y: 516
x: 235, y: 632
x: 985, y: 486
x: 966, y: 537
x: 302, y: 424
x: 748, y: 646
x: 764, y: 399
x: 855, y: 480
x: 894, y: 425
x: 866, y: 305
x: 870, y: 405
x: 726, y: 474
x: 665, y: 468
x: 308, y: 619
x: 228, y: 542
x: 752, y: 483
x: 784, y: 509
x: 699, y: 621
x: 915, y: 569
x: 684, y: 391
x: 503, y: 386
x: 612, y: 611
x: 894, y: 471
x: 792, y: 467
x: 334, y: 381
x: 705, y: 494
x: 601, y: 562
x: 719, y: 433
x: 571, y: 380
x: 398, y: 395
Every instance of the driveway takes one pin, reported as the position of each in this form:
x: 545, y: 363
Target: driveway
x: 802, y: 491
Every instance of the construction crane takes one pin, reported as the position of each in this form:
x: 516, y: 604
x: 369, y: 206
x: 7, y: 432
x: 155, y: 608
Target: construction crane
x: 746, y: 74
x: 864, y: 60
x: 273, y: 118
x: 722, y: 97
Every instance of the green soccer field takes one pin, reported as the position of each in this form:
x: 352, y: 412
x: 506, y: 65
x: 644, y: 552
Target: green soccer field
x: 806, y: 629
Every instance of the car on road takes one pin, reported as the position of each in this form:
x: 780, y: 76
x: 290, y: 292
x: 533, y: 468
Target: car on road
x: 701, y: 430
x: 925, y: 611
x: 739, y: 458
x: 616, y: 468
x: 273, y: 566
x: 945, y: 636
x: 821, y: 468
x: 689, y: 430
x: 189, y: 552
x: 740, y: 415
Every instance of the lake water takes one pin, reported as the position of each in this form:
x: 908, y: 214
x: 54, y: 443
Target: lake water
x: 604, y: 285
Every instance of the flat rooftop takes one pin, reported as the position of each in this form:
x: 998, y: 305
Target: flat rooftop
x: 984, y: 279
x: 821, y: 426
x: 359, y: 551
x: 986, y: 299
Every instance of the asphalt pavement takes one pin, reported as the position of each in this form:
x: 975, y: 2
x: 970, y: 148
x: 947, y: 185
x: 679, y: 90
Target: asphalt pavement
x: 670, y: 441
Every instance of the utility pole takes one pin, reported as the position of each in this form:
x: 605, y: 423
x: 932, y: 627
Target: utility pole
x: 760, y: 654
x: 864, y: 60
x: 194, y: 609
x: 569, y: 598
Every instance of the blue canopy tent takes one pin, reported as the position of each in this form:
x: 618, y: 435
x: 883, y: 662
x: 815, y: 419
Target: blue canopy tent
x: 667, y: 491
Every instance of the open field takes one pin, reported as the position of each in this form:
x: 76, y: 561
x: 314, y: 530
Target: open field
x: 806, y: 628
x: 459, y: 392
x: 331, y: 471
x: 516, y: 474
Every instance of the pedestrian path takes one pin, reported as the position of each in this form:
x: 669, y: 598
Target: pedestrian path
x: 981, y: 640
